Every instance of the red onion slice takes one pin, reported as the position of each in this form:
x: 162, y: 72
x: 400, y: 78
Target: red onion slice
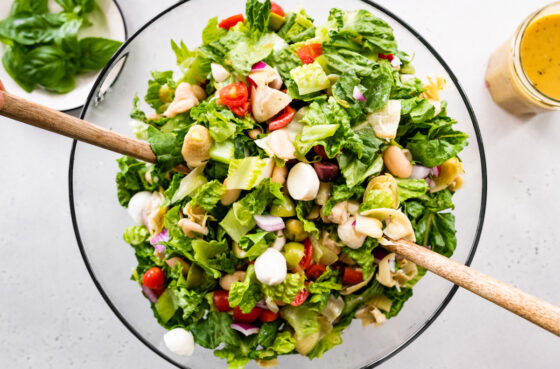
x: 435, y: 171
x: 150, y: 294
x: 420, y: 172
x: 258, y: 65
x: 246, y: 329
x: 269, y: 223
x: 162, y: 236
x: 358, y: 95
x: 430, y: 182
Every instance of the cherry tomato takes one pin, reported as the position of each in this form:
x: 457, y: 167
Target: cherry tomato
x: 308, y: 53
x: 234, y: 95
x: 352, y: 276
x: 153, y: 278
x: 231, y: 21
x: 385, y: 56
x: 243, y: 109
x: 300, y: 298
x: 315, y: 271
x: 275, y: 8
x: 268, y: 316
x: 304, y: 263
x: 253, y: 315
x: 221, y: 300
x: 282, y: 119
x: 320, y: 150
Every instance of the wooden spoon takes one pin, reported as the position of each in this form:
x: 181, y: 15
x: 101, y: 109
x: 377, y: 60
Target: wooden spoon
x: 518, y: 302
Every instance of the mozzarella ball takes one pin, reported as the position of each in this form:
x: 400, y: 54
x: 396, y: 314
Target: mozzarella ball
x: 137, y: 204
x: 179, y: 341
x: 303, y: 183
x: 271, y: 268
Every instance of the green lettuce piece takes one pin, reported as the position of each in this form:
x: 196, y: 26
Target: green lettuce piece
x: 302, y: 320
x: 258, y: 15
x: 131, y: 179
x: 186, y: 299
x: 313, y: 135
x: 284, y: 59
x: 435, y: 141
x: 214, y: 330
x: 363, y: 256
x: 438, y: 231
x: 247, y: 52
x: 376, y: 199
x: 214, y: 257
x: 341, y: 193
x: 136, y: 235
x: 248, y: 172
x: 212, y: 32
x: 310, y: 78
x: 220, y: 120
x: 356, y: 169
x: 354, y: 301
x: 398, y: 298
x: 438, y: 201
x: 208, y: 195
x: 326, y: 343
x: 159, y: 79
x: 376, y: 34
x: 194, y: 64
x: 183, y: 186
x: 247, y: 293
x: 255, y: 244
x: 234, y: 227
x: 343, y: 60
x: 284, y: 343
x: 267, y: 333
x: 287, y: 290
x: 322, y: 289
x: 164, y: 307
x: 222, y: 151
x: 298, y: 27
x: 411, y: 188
x: 166, y: 147
x: 303, y: 208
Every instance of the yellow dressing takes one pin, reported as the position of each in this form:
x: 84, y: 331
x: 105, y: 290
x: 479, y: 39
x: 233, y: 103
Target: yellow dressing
x: 540, y: 54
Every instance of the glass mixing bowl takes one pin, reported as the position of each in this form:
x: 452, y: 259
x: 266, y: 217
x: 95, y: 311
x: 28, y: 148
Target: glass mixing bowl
x: 99, y: 220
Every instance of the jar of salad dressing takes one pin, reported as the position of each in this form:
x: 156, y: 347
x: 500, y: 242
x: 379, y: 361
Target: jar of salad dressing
x: 523, y: 75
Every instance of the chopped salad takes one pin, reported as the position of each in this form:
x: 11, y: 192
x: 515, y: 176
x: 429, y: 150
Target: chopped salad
x: 286, y: 152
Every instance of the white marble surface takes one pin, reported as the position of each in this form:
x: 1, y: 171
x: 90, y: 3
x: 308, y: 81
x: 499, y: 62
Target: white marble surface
x: 52, y: 316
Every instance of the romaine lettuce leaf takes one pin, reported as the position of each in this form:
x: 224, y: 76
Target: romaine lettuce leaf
x: 131, y: 179
x: 182, y: 186
x: 212, y: 32
x: 310, y: 78
x: 398, y: 298
x: 158, y: 80
x: 363, y: 256
x: 135, y: 235
x: 438, y: 231
x: 287, y: 290
x: 213, y: 330
x: 255, y: 244
x: 214, y: 257
x: 258, y: 15
x: 166, y: 147
x: 303, y: 208
x: 302, y: 320
x: 411, y: 188
x: 298, y: 27
x: 341, y: 193
x: 208, y: 195
x: 247, y: 293
x: 247, y: 173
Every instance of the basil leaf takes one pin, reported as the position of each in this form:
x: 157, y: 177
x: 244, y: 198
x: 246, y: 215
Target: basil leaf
x: 95, y: 52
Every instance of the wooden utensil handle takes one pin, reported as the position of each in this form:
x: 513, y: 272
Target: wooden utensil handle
x: 518, y: 302
x: 46, y: 118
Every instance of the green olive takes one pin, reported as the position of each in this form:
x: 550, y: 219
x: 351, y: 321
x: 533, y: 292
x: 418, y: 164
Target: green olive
x: 294, y: 230
x: 293, y: 252
x: 165, y: 93
x: 285, y: 210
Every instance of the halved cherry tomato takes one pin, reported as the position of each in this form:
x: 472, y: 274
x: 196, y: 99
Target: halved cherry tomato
x: 242, y: 110
x: 385, y: 56
x: 268, y: 316
x: 221, y: 300
x: 315, y: 271
x: 304, y: 263
x: 300, y: 298
x: 234, y: 95
x: 308, y: 53
x: 282, y: 119
x: 253, y: 315
x: 352, y: 276
x: 153, y: 278
x: 275, y: 8
x: 231, y: 21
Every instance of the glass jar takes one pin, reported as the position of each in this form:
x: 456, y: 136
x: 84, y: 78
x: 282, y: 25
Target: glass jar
x: 506, y: 79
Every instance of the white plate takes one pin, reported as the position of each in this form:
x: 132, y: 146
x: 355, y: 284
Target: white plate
x: 107, y: 22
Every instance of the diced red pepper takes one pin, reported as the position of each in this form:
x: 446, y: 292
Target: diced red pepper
x: 231, y: 21
x: 268, y: 316
x: 306, y: 260
x: 308, y: 53
x: 253, y: 315
x: 352, y: 276
x: 315, y: 271
x: 386, y: 56
x: 282, y: 119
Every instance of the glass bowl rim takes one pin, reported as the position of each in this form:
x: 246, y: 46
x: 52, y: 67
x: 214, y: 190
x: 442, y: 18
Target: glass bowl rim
x: 451, y: 75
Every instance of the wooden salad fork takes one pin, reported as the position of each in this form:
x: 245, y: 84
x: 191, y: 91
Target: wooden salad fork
x: 518, y: 302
